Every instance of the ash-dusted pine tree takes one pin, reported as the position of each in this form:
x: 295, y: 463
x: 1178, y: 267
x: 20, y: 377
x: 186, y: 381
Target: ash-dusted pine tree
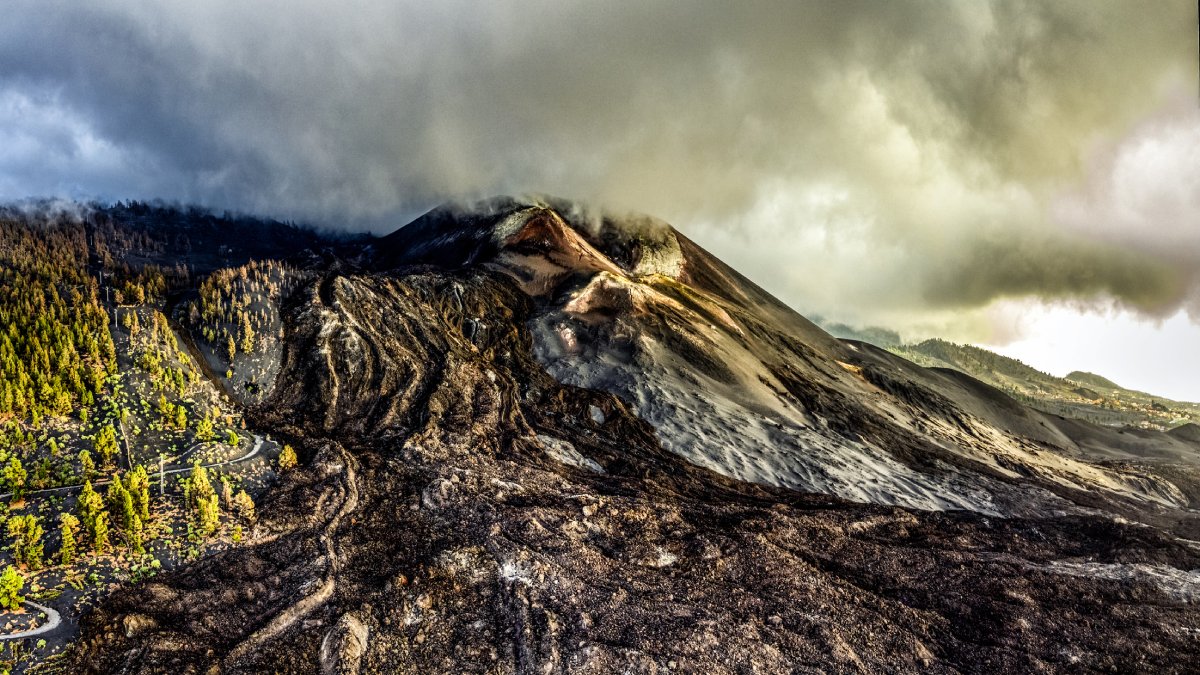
x: 227, y: 492
x: 244, y: 505
x: 247, y: 332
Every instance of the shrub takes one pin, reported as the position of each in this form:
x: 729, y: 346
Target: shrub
x: 287, y: 458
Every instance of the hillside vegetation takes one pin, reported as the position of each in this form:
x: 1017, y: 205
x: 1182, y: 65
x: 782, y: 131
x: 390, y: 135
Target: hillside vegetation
x: 1079, y: 395
x: 118, y: 457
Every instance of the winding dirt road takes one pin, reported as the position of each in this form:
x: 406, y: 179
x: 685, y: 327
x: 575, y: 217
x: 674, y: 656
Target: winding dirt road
x: 53, y: 615
x: 254, y: 450
x: 51, y: 624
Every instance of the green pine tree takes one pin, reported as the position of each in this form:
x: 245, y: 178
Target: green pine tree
x: 68, y: 526
x: 204, y: 429
x: 209, y: 515
x: 120, y: 503
x: 94, y: 517
x: 15, y: 478
x: 204, y: 500
x: 100, y: 532
x: 16, y: 533
x: 87, y: 465
x: 135, y: 537
x: 26, y: 533
x: 106, y: 444
x: 138, y: 484
x: 164, y: 406
x: 201, y: 487
x: 11, y: 583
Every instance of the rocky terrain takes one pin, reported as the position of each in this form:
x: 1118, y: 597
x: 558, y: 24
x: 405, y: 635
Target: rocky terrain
x: 535, y: 439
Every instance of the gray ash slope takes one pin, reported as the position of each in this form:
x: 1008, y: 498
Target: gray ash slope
x: 540, y: 440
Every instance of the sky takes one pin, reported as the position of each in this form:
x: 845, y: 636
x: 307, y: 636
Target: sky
x: 1002, y: 173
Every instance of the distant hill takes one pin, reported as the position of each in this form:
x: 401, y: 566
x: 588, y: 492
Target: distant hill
x: 1080, y: 395
x: 995, y: 369
x: 1092, y: 380
x: 1188, y: 432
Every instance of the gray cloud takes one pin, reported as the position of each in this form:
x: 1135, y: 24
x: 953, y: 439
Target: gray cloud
x: 859, y: 158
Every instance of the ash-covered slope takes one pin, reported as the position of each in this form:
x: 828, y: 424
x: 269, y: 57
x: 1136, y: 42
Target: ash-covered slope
x: 523, y: 432
x: 736, y: 382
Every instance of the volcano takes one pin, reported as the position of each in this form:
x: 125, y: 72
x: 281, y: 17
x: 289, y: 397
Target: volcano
x: 538, y: 437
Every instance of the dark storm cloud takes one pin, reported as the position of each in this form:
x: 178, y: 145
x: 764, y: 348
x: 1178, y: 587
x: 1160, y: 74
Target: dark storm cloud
x: 783, y: 134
